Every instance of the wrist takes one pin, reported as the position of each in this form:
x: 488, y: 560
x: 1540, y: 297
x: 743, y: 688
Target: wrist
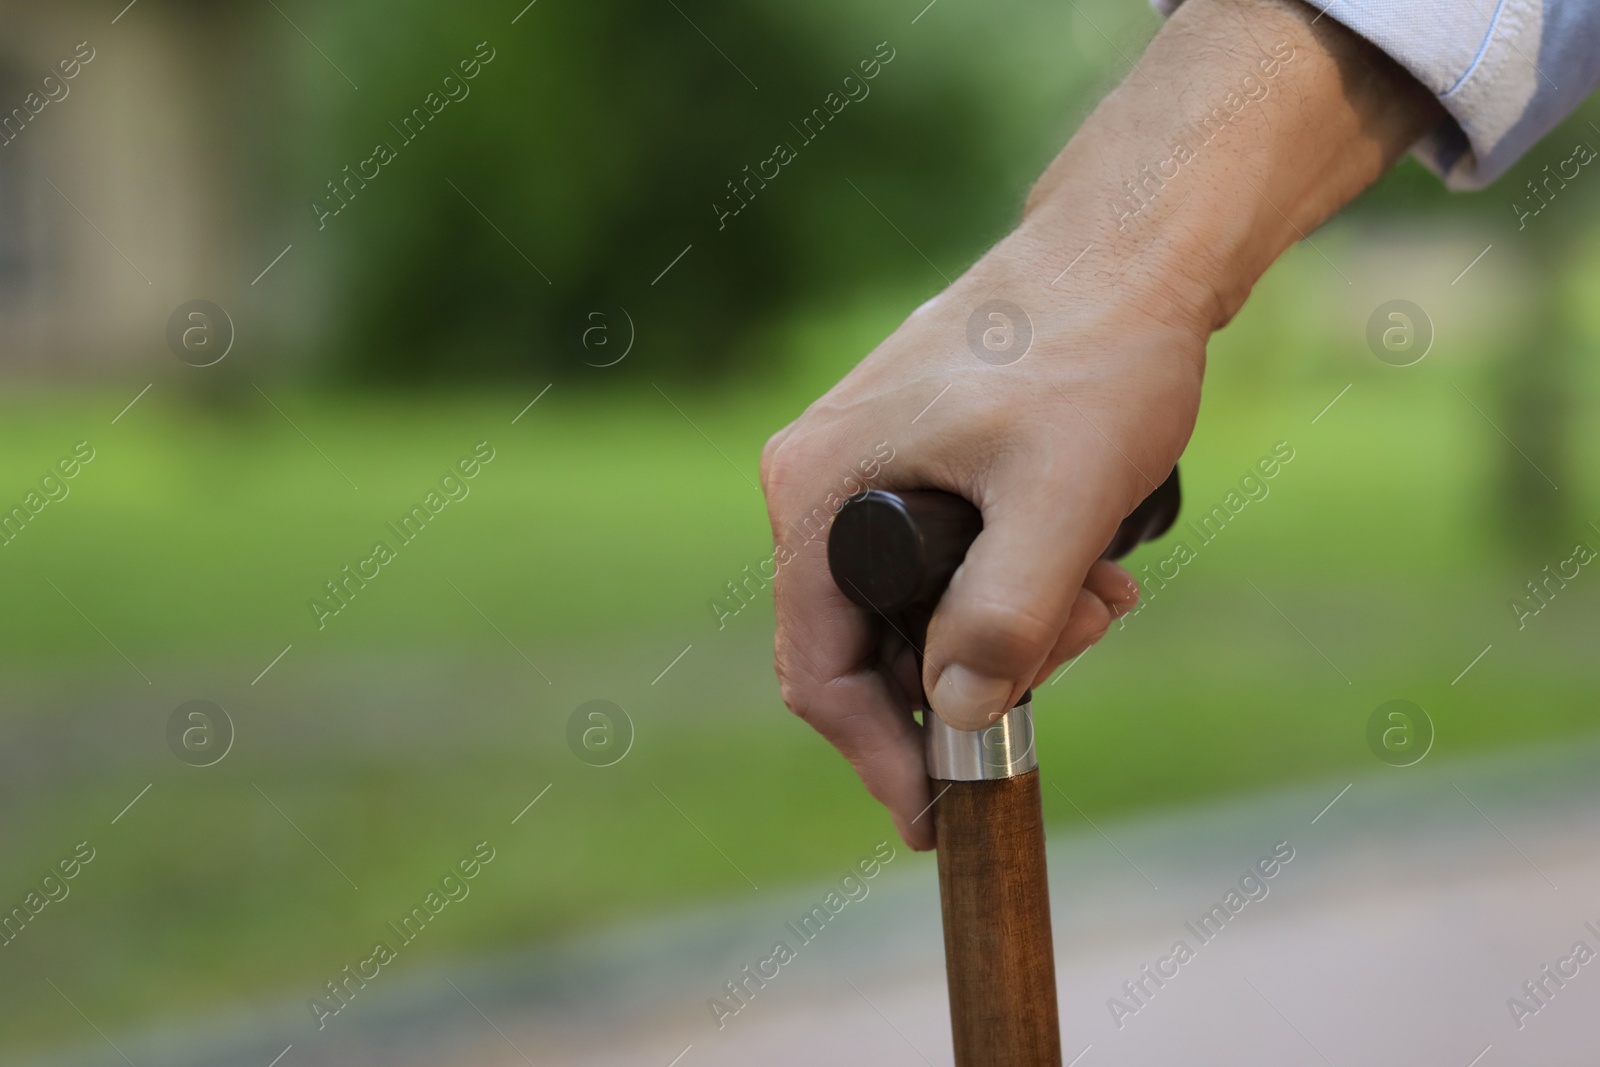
x: 1085, y: 255
x: 1243, y: 126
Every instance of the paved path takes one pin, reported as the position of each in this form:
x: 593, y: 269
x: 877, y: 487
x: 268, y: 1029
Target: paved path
x: 1412, y: 909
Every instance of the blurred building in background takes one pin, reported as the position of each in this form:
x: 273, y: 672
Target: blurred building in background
x: 116, y: 182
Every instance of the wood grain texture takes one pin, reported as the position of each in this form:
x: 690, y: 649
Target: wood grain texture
x: 996, y: 904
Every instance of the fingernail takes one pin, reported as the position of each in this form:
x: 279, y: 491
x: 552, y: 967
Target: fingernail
x: 966, y: 699
x: 1123, y: 599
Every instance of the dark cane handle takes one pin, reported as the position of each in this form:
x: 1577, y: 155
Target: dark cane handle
x: 894, y: 554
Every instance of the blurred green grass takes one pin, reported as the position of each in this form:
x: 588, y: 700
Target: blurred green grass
x: 413, y: 726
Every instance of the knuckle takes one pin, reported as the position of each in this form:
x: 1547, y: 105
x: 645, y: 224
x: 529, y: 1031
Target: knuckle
x: 795, y: 697
x: 796, y: 688
x: 769, y: 454
x: 809, y: 700
x: 784, y: 460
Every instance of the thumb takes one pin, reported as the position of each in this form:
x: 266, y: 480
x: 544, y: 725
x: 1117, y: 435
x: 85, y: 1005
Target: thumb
x: 1010, y: 601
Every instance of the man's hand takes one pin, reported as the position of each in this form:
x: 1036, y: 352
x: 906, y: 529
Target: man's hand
x: 1244, y: 124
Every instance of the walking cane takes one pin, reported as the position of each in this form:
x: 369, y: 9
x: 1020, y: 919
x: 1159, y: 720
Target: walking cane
x: 893, y: 554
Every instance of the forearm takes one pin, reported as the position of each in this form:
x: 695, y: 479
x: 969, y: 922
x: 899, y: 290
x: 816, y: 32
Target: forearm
x: 1244, y: 125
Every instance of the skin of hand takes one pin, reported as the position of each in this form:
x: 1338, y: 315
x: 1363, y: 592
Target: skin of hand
x: 1058, y: 447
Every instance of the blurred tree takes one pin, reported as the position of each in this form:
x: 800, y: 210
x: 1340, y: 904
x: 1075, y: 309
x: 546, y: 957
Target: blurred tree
x: 1536, y: 385
x: 596, y: 146
x: 599, y: 142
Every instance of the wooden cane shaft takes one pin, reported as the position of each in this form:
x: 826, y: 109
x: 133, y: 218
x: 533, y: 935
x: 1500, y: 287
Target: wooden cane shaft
x: 996, y: 905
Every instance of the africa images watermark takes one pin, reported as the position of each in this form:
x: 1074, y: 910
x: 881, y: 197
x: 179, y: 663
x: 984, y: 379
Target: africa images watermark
x: 53, y: 89
x: 342, y: 989
x: 1252, y: 888
x: 53, y: 889
x: 741, y: 991
x: 1141, y: 192
x: 453, y: 486
x: 1581, y: 156
x: 455, y: 89
x: 53, y: 487
x: 200, y: 733
x: 600, y: 732
x: 814, y: 526
x: 1253, y: 487
x: 784, y: 153
x: 1540, y: 990
x: 1400, y: 733
x: 1553, y: 579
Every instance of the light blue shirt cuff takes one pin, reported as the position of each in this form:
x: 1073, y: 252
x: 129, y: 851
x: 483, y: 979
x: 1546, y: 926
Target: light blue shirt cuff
x: 1506, y: 71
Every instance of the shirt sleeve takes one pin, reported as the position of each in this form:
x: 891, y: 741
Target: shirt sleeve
x: 1506, y: 71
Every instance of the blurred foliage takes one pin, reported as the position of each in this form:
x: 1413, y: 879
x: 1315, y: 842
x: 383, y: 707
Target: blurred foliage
x: 600, y: 141
x: 595, y: 146
x: 598, y: 145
